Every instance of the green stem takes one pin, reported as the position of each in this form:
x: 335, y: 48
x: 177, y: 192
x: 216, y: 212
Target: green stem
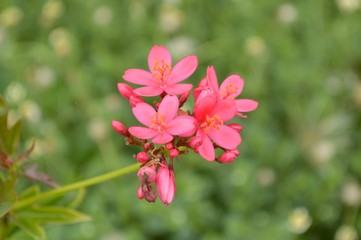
x: 75, y: 186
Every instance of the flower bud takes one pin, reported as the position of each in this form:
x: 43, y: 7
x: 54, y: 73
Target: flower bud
x: 140, y: 192
x: 125, y: 90
x: 235, y: 151
x: 147, y: 174
x: 227, y: 157
x: 165, y: 183
x: 173, y: 153
x: 147, y: 146
x: 169, y: 145
x: 183, y: 98
x: 134, y: 100
x: 195, y: 142
x: 142, y: 157
x: 120, y: 128
x: 236, y: 127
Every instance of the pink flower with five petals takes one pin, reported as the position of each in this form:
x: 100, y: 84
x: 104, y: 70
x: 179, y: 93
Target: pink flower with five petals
x: 162, y: 77
x: 230, y: 88
x: 211, y: 113
x: 164, y: 124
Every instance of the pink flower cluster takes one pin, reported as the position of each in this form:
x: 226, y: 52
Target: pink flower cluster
x: 168, y: 131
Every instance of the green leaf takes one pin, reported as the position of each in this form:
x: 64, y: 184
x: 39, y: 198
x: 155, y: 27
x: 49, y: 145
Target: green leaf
x: 77, y: 199
x: 13, y: 137
x: 29, y: 192
x: 30, y: 227
x: 52, y: 215
x: 7, y: 196
x: 3, y: 123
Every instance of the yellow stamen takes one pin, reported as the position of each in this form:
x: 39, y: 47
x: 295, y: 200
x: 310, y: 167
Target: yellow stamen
x: 157, y: 122
x: 229, y: 90
x: 161, y: 71
x: 211, y: 122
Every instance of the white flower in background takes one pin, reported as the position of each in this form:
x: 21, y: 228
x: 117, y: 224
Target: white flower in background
x: 351, y: 194
x: 170, y: 18
x: 346, y: 233
x: 43, y: 76
x: 182, y: 46
x: 60, y: 40
x: 31, y: 111
x: 15, y: 93
x: 102, y: 16
x: 10, y: 16
x: 323, y: 151
x: 97, y: 129
x: 299, y: 220
x: 348, y: 6
x: 287, y: 13
x: 52, y: 10
x: 266, y: 177
x: 255, y: 46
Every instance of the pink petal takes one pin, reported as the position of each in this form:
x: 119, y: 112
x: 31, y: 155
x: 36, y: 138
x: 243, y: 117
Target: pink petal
x: 162, y: 138
x: 142, y: 132
x: 184, y: 125
x: 226, y: 137
x: 148, y: 91
x: 225, y: 109
x: 177, y: 89
x: 233, y: 83
x: 183, y: 69
x: 143, y: 112
x: 168, y: 107
x: 246, y: 105
x: 138, y: 76
x: 203, y: 107
x: 212, y: 79
x: 158, y: 53
x: 206, y: 149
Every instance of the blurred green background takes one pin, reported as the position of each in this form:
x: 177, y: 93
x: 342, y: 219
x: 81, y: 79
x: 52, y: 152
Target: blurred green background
x: 299, y: 172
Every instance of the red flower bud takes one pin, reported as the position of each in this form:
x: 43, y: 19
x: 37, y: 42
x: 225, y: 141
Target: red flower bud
x: 165, y: 183
x: 227, y: 157
x: 142, y: 157
x: 183, y: 98
x: 169, y: 145
x: 173, y: 153
x: 236, y: 127
x: 140, y: 192
x: 120, y: 128
x: 195, y: 142
x: 147, y: 146
x: 134, y: 100
x: 147, y: 174
x: 125, y: 90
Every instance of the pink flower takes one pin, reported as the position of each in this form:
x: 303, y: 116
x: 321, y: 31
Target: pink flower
x: 230, y: 88
x: 211, y: 114
x: 165, y: 183
x: 164, y: 124
x: 162, y: 77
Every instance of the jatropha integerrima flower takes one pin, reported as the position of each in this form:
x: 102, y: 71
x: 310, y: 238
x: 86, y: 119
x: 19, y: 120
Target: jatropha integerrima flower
x: 169, y: 131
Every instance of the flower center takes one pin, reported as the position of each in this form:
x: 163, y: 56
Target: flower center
x: 211, y: 122
x: 161, y: 71
x: 228, y: 91
x: 157, y: 122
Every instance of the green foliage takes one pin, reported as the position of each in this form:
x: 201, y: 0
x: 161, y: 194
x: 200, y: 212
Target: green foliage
x: 60, y: 62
